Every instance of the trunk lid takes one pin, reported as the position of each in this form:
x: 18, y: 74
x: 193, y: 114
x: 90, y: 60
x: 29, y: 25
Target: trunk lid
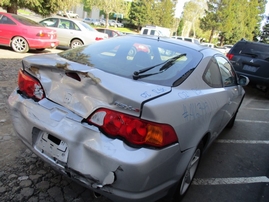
x: 83, y: 89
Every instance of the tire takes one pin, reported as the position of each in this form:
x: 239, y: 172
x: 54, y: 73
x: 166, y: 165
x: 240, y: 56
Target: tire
x: 19, y: 45
x: 185, y: 181
x: 76, y: 43
x: 40, y: 49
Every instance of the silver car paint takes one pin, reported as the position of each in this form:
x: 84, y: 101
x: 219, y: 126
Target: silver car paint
x: 65, y: 36
x: 110, y: 159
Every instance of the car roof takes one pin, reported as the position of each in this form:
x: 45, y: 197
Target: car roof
x: 71, y: 19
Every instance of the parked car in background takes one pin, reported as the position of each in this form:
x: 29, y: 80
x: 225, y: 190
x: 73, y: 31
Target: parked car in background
x: 251, y: 59
x: 189, y: 39
x: 23, y: 34
x: 91, y: 21
x: 155, y: 31
x: 110, y: 32
x: 223, y: 49
x: 73, y: 33
x: 71, y: 14
x: 114, y: 23
x: 129, y: 127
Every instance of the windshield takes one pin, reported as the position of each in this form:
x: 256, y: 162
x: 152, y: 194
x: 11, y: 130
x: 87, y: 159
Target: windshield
x: 125, y: 55
x: 88, y: 27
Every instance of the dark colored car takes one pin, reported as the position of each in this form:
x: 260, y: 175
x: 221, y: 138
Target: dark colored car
x: 252, y: 60
x: 110, y: 32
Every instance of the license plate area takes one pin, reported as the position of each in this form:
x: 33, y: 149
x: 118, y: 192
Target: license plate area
x: 250, y: 68
x: 52, y: 147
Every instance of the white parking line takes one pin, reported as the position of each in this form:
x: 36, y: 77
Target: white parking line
x: 251, y: 121
x: 243, y: 141
x: 227, y: 181
x: 258, y: 109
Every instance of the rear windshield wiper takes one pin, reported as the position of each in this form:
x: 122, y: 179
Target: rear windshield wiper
x: 165, y: 65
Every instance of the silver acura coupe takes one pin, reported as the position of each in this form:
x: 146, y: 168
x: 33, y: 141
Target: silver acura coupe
x: 129, y: 125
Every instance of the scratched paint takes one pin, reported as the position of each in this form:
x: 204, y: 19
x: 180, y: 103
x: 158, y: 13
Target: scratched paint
x: 153, y: 92
x: 193, y: 111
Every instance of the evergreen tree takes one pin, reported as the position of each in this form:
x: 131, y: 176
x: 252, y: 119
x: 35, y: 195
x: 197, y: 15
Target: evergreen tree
x: 138, y: 14
x: 167, y: 13
x: 233, y: 19
x: 265, y: 32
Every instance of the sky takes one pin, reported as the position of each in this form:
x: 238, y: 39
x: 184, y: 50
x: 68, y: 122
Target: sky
x: 180, y: 5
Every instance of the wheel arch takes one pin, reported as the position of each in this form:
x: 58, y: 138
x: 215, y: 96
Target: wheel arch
x: 17, y: 36
x: 76, y: 38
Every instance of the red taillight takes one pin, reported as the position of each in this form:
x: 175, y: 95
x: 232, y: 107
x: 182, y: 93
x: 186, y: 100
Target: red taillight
x: 98, y: 38
x: 133, y: 129
x: 30, y: 86
x: 41, y: 33
x: 229, y: 56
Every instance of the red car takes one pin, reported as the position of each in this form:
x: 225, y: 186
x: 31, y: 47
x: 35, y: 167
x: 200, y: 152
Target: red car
x: 23, y: 34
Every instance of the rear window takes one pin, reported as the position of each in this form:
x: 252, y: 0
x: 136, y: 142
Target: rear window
x: 123, y: 56
x: 26, y: 21
x: 255, y: 50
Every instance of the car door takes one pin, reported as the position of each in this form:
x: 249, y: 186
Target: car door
x: 65, y: 31
x: 232, y: 91
x: 7, y: 29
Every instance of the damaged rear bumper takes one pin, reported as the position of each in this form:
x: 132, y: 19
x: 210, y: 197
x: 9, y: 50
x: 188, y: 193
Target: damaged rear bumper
x: 82, y: 152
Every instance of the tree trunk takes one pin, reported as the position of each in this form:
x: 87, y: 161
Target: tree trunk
x: 13, y: 8
x: 211, y: 35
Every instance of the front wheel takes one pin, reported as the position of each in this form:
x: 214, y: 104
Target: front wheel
x: 19, y: 45
x: 76, y: 43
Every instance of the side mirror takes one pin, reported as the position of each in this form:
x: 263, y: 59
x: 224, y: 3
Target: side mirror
x: 243, y: 80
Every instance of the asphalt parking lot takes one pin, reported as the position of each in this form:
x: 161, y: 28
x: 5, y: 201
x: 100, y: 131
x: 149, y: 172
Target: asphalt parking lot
x: 234, y: 169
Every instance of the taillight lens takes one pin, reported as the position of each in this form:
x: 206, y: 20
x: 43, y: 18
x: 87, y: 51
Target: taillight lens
x: 132, y: 129
x: 41, y: 34
x: 98, y: 38
x: 229, y: 56
x: 30, y: 87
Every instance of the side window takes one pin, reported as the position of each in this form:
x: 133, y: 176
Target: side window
x: 152, y: 32
x: 65, y: 24
x: 145, y: 31
x: 227, y: 72
x: 109, y: 32
x: 6, y: 20
x: 73, y: 26
x: 212, y: 74
x: 51, y: 22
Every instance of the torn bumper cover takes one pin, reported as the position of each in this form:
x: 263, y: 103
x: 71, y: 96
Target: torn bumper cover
x: 107, y: 166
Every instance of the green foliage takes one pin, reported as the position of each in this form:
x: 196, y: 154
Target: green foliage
x: 233, y: 19
x: 265, y: 32
x: 151, y: 12
x: 41, y: 7
x: 107, y: 6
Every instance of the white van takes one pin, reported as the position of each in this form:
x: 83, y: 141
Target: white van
x: 156, y: 31
x: 193, y: 40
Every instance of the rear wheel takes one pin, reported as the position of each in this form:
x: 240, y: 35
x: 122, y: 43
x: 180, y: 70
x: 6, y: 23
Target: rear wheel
x: 76, y: 43
x: 189, y: 173
x: 19, y: 45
